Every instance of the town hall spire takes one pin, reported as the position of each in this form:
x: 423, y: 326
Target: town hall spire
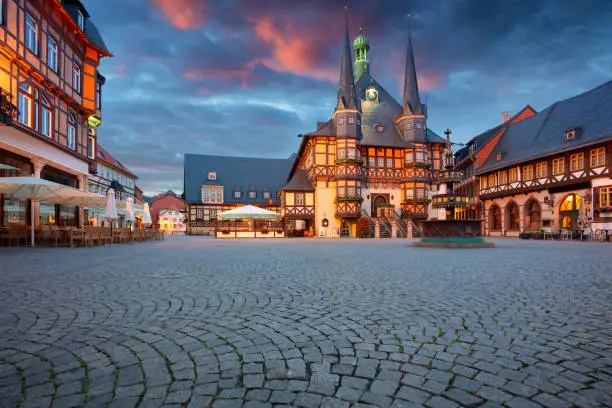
x: 346, y: 89
x: 412, y: 103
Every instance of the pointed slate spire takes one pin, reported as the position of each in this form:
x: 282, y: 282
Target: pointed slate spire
x: 412, y: 103
x: 346, y: 89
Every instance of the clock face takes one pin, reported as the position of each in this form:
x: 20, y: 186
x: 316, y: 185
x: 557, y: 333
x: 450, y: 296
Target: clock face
x: 372, y: 94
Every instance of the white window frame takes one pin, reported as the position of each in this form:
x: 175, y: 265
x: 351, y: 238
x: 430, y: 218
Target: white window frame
x: 32, y: 33
x: 71, y: 133
x: 76, y: 77
x: 24, y: 103
x: 91, y: 141
x: 81, y: 20
x: 300, y: 199
x: 212, y: 175
x: 252, y: 195
x: 266, y: 195
x: 380, y: 161
x: 390, y: 162
x: 237, y: 195
x: 52, y: 54
x: 351, y: 119
x: 46, y: 119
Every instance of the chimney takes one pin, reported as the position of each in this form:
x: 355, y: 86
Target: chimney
x: 505, y: 117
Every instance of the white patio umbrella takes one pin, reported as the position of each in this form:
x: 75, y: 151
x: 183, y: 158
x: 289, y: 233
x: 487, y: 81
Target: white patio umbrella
x: 129, y: 210
x: 41, y: 190
x: 7, y: 167
x: 249, y: 212
x: 110, y: 211
x: 146, y: 217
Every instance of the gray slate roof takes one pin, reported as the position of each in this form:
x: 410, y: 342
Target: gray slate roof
x: 544, y: 134
x: 480, y: 141
x: 384, y: 112
x: 244, y: 172
x: 299, y: 182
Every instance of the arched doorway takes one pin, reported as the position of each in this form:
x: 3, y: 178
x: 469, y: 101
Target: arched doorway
x: 512, y: 217
x: 533, y: 215
x: 379, y: 200
x: 569, y: 211
x: 494, y: 218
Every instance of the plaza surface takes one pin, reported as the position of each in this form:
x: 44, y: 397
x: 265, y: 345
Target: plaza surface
x: 197, y: 322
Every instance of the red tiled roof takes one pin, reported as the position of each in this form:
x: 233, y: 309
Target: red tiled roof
x: 108, y: 158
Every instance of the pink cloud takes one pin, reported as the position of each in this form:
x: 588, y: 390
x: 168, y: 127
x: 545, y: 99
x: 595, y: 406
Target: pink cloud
x: 183, y: 14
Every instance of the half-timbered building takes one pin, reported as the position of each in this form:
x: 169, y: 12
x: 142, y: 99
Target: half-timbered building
x: 50, y: 99
x: 214, y: 184
x: 470, y: 157
x: 373, y: 153
x: 553, y: 169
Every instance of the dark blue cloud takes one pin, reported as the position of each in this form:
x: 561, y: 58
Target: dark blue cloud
x: 246, y: 77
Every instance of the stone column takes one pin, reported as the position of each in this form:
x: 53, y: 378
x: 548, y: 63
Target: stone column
x: 393, y: 229
x: 409, y: 229
x: 376, y: 229
x: 37, y: 167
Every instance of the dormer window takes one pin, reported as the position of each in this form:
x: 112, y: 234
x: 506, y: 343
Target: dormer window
x: 499, y: 156
x: 81, y: 20
x: 266, y: 195
x: 351, y: 120
x: 380, y: 127
x: 252, y: 195
x: 237, y: 195
x: 341, y: 121
x: 212, y: 175
x: 570, y: 134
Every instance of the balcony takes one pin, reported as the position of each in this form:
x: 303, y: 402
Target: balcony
x: 448, y: 176
x: 417, y: 163
x: 450, y: 200
x: 416, y: 196
x: 8, y: 111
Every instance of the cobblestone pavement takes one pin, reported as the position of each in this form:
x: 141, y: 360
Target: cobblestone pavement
x: 197, y: 322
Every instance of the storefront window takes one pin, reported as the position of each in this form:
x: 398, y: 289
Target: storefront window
x: 68, y: 216
x: 47, y: 214
x: 15, y: 211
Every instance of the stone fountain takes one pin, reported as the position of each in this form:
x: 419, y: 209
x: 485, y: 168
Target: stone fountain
x: 449, y: 232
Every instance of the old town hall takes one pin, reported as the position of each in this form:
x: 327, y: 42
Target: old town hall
x: 374, y: 157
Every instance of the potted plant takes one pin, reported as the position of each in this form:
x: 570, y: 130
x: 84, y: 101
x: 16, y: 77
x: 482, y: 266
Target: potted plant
x: 363, y: 227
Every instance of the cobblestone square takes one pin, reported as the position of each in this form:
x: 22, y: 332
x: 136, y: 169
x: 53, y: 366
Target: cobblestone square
x: 197, y: 322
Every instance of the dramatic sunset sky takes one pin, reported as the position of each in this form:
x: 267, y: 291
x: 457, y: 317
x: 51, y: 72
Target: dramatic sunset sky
x: 244, y: 77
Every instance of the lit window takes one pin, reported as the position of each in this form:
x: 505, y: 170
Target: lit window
x: 512, y: 175
x: 76, y: 77
x: 605, y: 197
x: 483, y: 183
x: 503, y: 177
x: 299, y: 199
x: 252, y: 195
x: 541, y: 170
x: 598, y: 157
x: 341, y: 153
x: 558, y: 166
x: 71, y: 132
x: 492, y: 180
x: 527, y: 173
x: 24, y: 102
x: 351, y: 192
x: 212, y: 175
x: 498, y: 157
x: 31, y: 33
x: 350, y: 153
x: 266, y: 195
x: 577, y: 161
x: 570, y: 134
x: 341, y: 121
x: 52, y: 54
x: 81, y: 20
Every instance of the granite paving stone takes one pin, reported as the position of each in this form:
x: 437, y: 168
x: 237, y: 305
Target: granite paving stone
x: 195, y: 322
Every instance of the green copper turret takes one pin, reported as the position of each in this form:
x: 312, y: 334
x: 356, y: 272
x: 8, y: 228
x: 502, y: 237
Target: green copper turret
x: 361, y: 46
